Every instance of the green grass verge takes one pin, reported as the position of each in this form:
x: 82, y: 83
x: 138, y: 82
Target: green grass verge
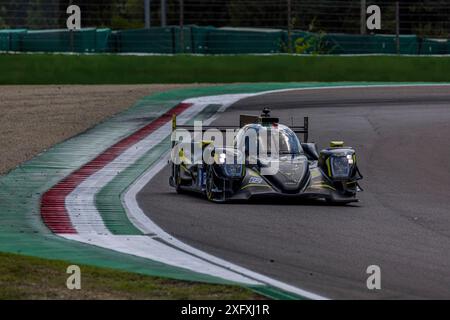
x: 24, y: 277
x: 113, y: 69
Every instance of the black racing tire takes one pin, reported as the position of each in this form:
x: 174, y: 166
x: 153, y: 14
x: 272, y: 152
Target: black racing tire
x: 210, y: 185
x: 177, y: 178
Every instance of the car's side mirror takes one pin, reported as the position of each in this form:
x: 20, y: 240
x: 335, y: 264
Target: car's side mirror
x: 310, y: 150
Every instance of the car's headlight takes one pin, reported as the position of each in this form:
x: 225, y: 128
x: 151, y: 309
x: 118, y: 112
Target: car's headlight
x: 231, y: 165
x: 340, y: 167
x: 233, y: 170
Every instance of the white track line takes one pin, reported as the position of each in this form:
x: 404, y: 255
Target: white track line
x: 149, y: 248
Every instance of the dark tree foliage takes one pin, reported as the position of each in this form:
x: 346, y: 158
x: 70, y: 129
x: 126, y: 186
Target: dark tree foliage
x: 271, y: 14
x: 423, y: 17
x: 94, y: 13
x: 13, y: 13
x: 198, y: 12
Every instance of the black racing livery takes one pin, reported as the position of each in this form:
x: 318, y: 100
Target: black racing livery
x: 232, y: 173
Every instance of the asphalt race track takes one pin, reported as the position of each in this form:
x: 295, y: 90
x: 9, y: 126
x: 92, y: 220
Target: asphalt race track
x: 402, y: 223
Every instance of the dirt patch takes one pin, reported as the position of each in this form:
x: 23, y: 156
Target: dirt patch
x: 33, y: 118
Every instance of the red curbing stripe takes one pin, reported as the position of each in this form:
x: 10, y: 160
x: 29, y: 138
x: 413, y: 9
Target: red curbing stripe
x: 53, y: 209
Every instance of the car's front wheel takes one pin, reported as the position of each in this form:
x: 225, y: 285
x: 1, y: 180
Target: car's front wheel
x: 211, y: 187
x: 177, y: 178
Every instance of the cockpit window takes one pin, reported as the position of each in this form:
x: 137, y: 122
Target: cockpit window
x: 286, y: 141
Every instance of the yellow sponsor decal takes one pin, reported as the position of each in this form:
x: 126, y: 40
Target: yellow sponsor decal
x: 255, y: 185
x: 322, y: 186
x: 328, y: 166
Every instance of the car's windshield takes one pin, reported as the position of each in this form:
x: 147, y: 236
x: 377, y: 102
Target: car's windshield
x: 271, y: 140
x: 283, y: 141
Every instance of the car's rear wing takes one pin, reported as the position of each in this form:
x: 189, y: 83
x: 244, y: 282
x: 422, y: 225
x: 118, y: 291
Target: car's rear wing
x: 244, y: 120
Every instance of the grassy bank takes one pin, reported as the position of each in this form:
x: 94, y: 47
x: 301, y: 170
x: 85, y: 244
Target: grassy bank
x: 113, y: 69
x: 32, y: 278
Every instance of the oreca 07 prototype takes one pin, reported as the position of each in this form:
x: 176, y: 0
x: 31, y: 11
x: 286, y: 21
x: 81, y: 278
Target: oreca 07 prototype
x: 235, y: 173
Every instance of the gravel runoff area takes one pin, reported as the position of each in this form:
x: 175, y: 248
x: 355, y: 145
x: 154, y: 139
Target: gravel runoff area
x: 33, y: 118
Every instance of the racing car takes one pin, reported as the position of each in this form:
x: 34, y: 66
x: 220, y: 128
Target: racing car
x: 233, y: 173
